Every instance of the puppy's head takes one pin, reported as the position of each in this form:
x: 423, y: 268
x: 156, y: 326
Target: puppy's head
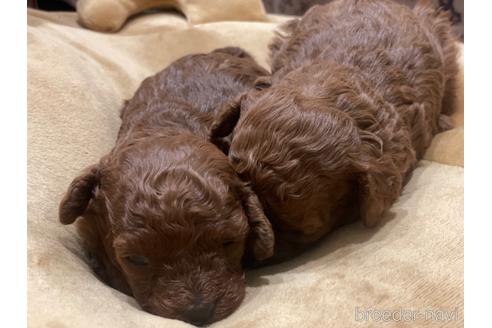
x: 172, y: 222
x: 309, y: 155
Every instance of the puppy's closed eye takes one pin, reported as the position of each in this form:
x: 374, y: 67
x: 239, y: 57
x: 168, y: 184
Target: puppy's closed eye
x: 229, y: 243
x: 137, y: 260
x: 233, y: 249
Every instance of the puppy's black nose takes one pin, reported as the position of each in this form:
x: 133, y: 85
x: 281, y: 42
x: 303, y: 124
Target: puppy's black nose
x: 199, y: 314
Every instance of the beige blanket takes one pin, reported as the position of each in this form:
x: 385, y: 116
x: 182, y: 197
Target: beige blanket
x: 77, y: 81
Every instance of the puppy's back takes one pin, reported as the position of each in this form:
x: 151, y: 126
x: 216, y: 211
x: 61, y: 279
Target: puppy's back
x: 440, y: 34
x: 197, y: 85
x: 205, y: 80
x: 345, y: 30
x: 406, y: 56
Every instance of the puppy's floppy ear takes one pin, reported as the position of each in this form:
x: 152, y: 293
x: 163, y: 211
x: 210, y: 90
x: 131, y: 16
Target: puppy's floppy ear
x: 79, y: 193
x: 228, y: 115
x: 261, y: 239
x: 379, y: 180
x: 226, y: 118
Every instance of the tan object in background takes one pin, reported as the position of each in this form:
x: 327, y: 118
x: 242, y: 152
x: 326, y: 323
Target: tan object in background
x: 110, y: 15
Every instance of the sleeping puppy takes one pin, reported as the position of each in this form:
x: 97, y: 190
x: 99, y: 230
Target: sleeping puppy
x: 359, y: 89
x: 164, y: 216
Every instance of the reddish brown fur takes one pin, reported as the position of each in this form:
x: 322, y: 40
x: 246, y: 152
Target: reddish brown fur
x: 164, y: 216
x: 359, y: 89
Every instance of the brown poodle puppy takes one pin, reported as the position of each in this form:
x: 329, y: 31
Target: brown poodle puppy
x: 164, y: 216
x: 359, y: 89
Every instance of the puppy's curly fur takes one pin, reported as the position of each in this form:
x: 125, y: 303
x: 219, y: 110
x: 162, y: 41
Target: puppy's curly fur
x: 359, y: 89
x: 164, y: 216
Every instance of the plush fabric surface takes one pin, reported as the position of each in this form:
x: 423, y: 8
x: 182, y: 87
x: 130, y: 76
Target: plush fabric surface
x: 77, y: 81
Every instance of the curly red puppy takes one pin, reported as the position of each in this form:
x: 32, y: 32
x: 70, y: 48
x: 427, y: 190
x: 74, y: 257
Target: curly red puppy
x: 359, y: 89
x: 164, y: 216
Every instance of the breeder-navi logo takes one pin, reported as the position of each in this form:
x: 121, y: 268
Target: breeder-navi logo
x: 406, y: 315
